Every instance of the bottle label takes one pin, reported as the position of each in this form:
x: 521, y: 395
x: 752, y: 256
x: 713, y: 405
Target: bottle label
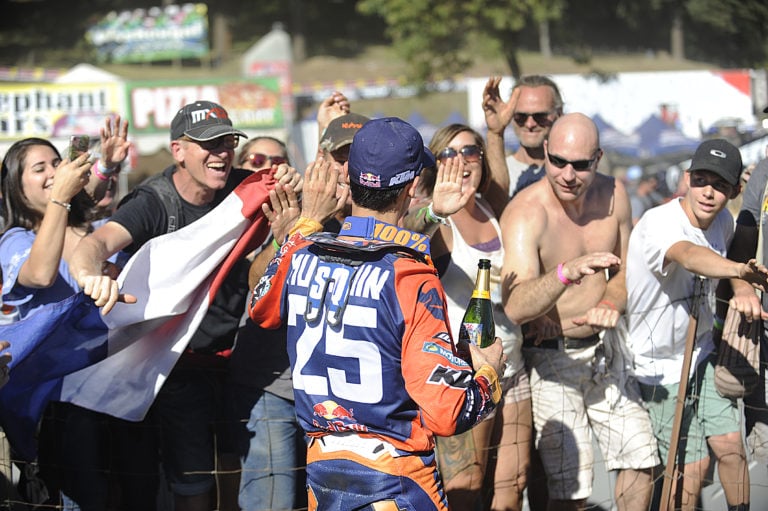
x: 481, y: 294
x: 474, y: 332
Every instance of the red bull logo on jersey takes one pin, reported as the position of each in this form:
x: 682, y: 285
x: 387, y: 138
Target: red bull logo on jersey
x: 332, y: 410
x: 338, y: 418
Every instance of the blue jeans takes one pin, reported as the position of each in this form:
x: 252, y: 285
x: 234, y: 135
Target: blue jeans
x: 271, y: 449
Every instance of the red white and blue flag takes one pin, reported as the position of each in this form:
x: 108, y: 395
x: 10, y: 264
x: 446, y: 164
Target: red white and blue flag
x: 116, y: 364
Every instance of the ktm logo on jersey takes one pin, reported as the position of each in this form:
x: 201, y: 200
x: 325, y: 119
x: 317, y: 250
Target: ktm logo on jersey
x: 433, y: 302
x: 451, y: 377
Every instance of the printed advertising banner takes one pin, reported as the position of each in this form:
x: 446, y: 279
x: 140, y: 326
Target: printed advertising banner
x: 251, y: 103
x: 147, y: 35
x: 47, y: 110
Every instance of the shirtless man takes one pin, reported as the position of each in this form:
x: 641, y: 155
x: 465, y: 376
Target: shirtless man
x: 562, y: 236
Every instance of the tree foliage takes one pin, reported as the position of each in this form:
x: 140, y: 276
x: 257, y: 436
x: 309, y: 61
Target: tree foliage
x: 725, y: 32
x: 434, y: 36
x: 729, y: 32
x: 438, y: 38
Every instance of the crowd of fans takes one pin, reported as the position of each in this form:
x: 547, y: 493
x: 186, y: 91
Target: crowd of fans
x: 595, y: 280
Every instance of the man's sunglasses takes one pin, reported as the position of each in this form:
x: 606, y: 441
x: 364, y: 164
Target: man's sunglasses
x: 228, y: 142
x: 541, y: 118
x: 258, y: 160
x: 470, y: 153
x: 559, y: 162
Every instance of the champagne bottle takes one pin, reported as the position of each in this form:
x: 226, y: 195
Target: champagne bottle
x: 477, y: 326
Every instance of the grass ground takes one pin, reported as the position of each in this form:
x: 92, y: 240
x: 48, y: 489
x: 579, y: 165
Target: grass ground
x: 380, y: 62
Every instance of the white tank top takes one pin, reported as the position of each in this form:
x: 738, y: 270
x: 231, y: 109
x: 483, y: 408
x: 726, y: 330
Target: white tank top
x: 459, y: 281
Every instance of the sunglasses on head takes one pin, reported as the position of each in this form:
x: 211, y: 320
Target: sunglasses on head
x: 541, y: 118
x: 559, y: 162
x: 259, y: 159
x: 228, y: 142
x: 470, y: 153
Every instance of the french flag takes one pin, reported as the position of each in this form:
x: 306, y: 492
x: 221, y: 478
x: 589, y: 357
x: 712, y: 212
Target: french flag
x: 116, y: 364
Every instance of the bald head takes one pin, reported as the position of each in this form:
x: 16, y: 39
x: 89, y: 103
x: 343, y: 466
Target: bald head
x: 573, y: 153
x: 574, y: 135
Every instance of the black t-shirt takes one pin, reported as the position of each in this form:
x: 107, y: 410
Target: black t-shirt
x: 145, y: 217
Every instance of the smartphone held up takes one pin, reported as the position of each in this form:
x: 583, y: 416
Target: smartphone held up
x: 78, y: 144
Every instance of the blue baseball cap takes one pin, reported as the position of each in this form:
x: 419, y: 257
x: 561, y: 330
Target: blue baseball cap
x: 387, y: 153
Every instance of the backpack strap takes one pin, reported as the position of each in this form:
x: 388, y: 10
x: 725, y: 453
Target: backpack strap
x: 162, y: 185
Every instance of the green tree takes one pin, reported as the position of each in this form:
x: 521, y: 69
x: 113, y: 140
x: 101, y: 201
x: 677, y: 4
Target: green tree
x: 727, y: 32
x: 436, y: 37
x: 730, y: 32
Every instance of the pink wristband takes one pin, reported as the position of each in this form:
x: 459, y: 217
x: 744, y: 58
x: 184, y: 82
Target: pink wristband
x: 565, y: 280
x: 99, y: 174
x: 102, y: 172
x: 97, y: 170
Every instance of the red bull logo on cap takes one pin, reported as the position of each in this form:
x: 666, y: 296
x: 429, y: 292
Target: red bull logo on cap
x: 370, y: 180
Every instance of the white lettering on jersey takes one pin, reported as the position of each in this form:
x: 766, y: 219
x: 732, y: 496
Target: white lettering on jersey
x: 306, y: 272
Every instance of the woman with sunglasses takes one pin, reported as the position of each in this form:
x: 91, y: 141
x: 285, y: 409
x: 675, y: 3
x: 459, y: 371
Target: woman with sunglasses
x: 469, y: 234
x: 264, y: 153
x: 49, y: 205
x: 260, y: 153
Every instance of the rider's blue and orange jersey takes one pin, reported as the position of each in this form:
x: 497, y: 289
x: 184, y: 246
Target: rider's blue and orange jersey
x: 368, y: 338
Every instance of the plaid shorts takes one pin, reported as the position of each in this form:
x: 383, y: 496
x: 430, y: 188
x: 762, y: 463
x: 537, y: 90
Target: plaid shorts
x: 571, y: 402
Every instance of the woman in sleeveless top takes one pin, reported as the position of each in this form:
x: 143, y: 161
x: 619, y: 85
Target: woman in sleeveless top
x: 496, y: 452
